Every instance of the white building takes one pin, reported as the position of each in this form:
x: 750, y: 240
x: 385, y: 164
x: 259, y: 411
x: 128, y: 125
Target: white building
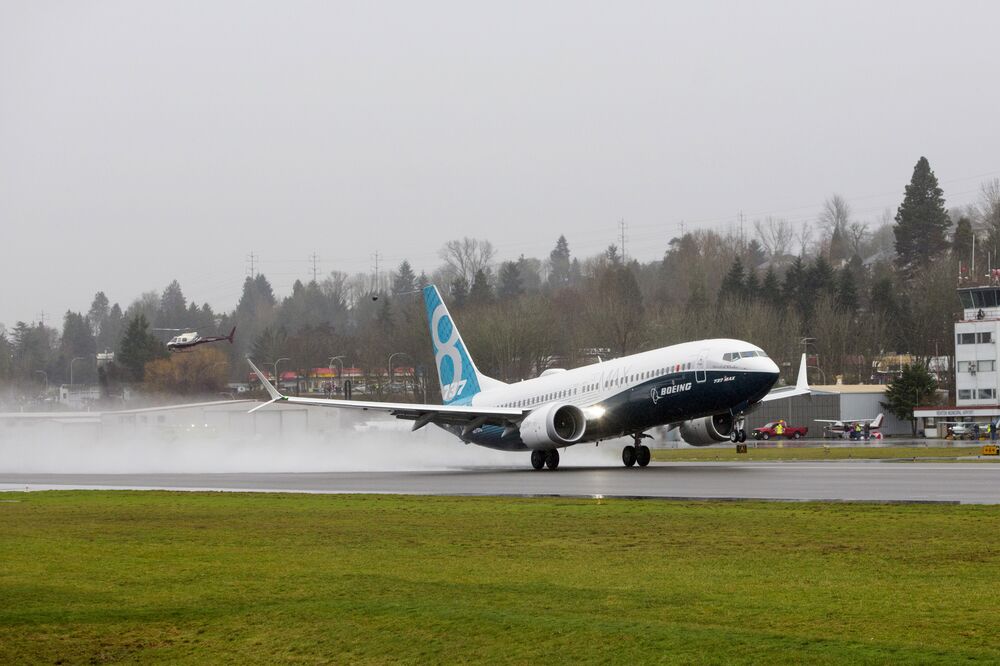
x: 977, y: 381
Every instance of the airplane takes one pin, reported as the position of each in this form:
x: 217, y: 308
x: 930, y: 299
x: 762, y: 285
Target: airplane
x: 704, y: 388
x: 190, y: 339
x: 844, y: 428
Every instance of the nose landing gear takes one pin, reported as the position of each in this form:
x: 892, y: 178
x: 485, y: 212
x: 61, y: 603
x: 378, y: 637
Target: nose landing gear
x: 739, y: 433
x: 637, y: 453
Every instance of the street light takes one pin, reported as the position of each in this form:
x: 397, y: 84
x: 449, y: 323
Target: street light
x: 390, y: 365
x: 75, y: 359
x: 340, y: 375
x: 277, y: 379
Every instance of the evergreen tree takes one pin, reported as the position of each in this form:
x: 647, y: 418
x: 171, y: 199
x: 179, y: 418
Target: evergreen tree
x: 732, y: 287
x: 403, y: 280
x: 921, y: 221
x: 173, y: 307
x: 821, y: 278
x: 459, y: 291
x: 770, y: 288
x: 914, y: 387
x: 138, y: 347
x: 612, y: 255
x: 481, y: 292
x: 961, y: 241
x: 795, y: 288
x: 97, y: 316
x: 559, y: 264
x: 751, y: 287
x: 510, y: 281
x: 847, y: 291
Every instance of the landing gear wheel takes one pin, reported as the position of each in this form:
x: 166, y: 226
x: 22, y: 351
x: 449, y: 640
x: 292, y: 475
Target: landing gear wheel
x: 642, y: 456
x: 734, y: 436
x: 743, y: 435
x: 538, y: 459
x: 628, y: 456
x: 552, y: 458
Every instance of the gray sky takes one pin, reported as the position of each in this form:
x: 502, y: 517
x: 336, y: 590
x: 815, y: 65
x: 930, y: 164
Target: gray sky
x: 142, y: 142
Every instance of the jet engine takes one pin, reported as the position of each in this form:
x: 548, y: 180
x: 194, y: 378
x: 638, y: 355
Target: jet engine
x: 552, y: 426
x: 707, y: 430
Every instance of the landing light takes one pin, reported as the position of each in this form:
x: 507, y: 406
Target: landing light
x: 594, y: 412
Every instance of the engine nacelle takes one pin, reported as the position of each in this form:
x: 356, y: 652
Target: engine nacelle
x: 707, y: 430
x: 552, y: 426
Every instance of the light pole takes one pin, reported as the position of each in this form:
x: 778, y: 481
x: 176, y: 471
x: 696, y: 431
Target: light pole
x: 78, y: 358
x: 340, y: 375
x: 46, y: 375
x: 277, y: 379
x: 390, y: 365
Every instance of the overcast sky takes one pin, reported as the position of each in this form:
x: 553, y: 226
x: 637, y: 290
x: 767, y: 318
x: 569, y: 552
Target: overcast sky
x: 146, y: 141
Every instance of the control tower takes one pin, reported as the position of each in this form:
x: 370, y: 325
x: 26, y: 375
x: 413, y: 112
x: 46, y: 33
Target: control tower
x: 977, y: 381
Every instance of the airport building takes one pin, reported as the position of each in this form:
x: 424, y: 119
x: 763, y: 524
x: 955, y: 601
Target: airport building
x: 977, y: 377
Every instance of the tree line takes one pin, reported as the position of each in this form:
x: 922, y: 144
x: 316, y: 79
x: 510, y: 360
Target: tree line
x: 845, y: 290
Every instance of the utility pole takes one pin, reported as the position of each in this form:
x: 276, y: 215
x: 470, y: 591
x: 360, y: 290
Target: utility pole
x: 376, y: 285
x: 41, y: 317
x: 314, y: 259
x: 621, y: 231
x: 253, y: 259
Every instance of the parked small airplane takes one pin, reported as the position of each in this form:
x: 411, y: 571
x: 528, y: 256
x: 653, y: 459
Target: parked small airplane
x: 190, y: 339
x: 704, y: 388
x: 844, y: 428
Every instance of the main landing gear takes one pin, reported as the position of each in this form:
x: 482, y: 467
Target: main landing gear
x: 638, y: 453
x: 540, y: 459
x: 739, y: 433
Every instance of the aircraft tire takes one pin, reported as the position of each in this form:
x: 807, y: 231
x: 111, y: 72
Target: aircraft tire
x: 628, y: 456
x: 552, y: 458
x: 643, y: 455
x: 743, y: 435
x: 538, y: 459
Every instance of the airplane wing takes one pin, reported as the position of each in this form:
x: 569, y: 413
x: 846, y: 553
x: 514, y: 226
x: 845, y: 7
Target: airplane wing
x: 460, y: 415
x: 801, y: 386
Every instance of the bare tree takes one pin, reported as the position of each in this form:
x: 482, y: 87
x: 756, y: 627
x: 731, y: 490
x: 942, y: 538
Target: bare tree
x: 775, y: 234
x: 836, y: 215
x: 804, y: 236
x: 463, y: 258
x: 857, y: 233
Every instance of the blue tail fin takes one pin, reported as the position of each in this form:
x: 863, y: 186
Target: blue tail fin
x: 460, y: 379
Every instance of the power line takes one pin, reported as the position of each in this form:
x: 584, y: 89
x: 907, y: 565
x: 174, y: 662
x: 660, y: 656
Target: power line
x: 314, y: 259
x: 621, y: 231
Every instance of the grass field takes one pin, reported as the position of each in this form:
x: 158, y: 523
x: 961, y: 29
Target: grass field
x: 105, y: 577
x: 791, y: 451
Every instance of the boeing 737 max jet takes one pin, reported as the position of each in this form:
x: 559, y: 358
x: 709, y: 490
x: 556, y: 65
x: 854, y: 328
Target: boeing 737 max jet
x: 703, y: 387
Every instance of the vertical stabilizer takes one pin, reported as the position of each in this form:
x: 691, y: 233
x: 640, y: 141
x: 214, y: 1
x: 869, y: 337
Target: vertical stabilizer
x: 459, y: 378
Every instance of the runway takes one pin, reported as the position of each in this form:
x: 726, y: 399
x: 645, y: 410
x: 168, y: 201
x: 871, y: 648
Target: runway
x: 970, y: 483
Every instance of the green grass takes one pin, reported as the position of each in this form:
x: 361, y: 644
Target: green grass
x: 791, y: 451
x: 104, y: 577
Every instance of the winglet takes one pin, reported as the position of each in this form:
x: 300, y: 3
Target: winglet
x: 802, y: 381
x: 273, y: 392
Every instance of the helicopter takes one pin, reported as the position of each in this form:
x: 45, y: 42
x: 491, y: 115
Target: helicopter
x: 189, y: 339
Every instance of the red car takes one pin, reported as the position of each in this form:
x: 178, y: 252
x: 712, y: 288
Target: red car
x: 769, y: 430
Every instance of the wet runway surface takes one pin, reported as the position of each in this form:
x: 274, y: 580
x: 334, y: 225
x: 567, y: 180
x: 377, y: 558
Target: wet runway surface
x: 793, y: 481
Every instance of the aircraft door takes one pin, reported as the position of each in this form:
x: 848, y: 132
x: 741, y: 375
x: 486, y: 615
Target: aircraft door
x: 699, y: 368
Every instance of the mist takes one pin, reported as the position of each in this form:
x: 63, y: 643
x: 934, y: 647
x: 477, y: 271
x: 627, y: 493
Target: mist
x: 326, y: 441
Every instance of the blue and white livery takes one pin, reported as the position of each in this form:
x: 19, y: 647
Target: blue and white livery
x: 703, y: 388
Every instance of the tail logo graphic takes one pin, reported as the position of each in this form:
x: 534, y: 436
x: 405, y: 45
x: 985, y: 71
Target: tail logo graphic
x: 445, y: 343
